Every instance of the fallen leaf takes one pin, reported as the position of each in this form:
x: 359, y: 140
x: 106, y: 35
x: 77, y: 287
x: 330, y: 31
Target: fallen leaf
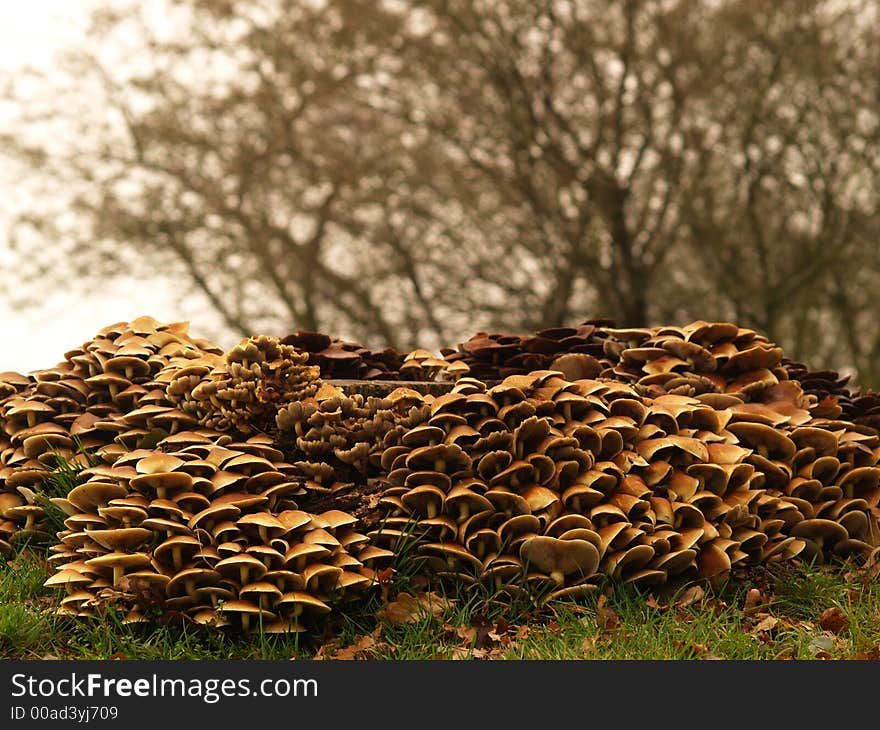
x: 834, y: 620
x: 873, y: 654
x: 691, y: 596
x: 408, y: 609
x: 768, y: 623
x: 483, y: 627
x: 821, y: 643
x: 606, y: 619
x: 362, y: 648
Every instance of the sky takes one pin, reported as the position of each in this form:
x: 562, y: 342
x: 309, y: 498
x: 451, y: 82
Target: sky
x: 37, y: 336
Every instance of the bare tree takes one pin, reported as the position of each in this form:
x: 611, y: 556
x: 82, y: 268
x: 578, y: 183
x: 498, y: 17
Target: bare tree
x: 410, y: 171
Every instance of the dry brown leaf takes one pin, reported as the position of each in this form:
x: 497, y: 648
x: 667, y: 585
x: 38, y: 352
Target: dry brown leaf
x: 768, y: 623
x: 834, y: 620
x: 872, y: 654
x: 691, y: 596
x: 408, y: 609
x: 606, y: 619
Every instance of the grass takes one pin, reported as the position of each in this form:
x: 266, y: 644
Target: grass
x: 793, y: 611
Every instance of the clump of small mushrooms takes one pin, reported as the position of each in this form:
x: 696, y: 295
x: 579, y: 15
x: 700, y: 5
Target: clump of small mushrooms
x: 244, y: 392
x: 105, y: 397
x: 248, y: 490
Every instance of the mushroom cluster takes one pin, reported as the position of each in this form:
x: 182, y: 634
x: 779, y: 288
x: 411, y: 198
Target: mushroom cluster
x: 337, y: 436
x: 496, y: 482
x: 492, y: 357
x: 107, y: 395
x: 228, y: 486
x: 244, y: 392
x: 341, y: 360
x: 209, y: 528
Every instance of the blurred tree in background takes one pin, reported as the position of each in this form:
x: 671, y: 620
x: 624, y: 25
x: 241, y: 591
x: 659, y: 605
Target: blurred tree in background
x: 411, y: 171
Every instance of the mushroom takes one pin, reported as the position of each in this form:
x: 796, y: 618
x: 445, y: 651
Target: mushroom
x: 561, y: 558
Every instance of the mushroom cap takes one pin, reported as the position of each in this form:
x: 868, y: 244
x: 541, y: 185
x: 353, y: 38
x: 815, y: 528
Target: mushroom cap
x: 823, y: 442
x: 566, y: 557
x: 158, y: 462
x: 198, y: 577
x: 760, y: 436
x: 234, y: 563
x: 257, y: 589
x: 178, y: 481
x: 334, y: 519
x: 117, y: 559
x: 121, y: 538
x: 306, y: 600
x: 65, y: 577
x: 186, y: 543
x: 93, y: 494
x: 244, y: 607
x: 821, y: 531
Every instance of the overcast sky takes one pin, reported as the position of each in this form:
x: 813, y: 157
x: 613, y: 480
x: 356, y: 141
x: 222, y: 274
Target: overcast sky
x: 31, y: 31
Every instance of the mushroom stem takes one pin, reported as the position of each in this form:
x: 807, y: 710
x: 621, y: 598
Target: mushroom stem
x: 558, y: 576
x: 118, y: 572
x: 177, y: 559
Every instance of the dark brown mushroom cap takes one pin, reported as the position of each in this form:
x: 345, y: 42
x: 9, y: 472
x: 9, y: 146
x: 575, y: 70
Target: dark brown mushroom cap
x: 561, y: 558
